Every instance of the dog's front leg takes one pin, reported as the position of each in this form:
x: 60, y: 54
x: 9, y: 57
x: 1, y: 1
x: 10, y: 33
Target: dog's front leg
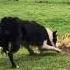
x: 48, y: 47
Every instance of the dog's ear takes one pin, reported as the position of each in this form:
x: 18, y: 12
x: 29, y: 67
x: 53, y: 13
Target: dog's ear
x: 54, y: 32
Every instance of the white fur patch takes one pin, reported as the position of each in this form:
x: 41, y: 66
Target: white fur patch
x: 9, y: 47
x: 50, y: 34
x: 35, y: 49
x: 0, y: 48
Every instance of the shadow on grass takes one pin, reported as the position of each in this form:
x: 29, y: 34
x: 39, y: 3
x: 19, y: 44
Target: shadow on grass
x: 35, y: 57
x: 23, y: 60
x: 53, y: 2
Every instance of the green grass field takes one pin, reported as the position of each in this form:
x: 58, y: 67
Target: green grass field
x: 54, y: 14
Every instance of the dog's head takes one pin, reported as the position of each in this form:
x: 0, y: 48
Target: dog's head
x: 52, y: 37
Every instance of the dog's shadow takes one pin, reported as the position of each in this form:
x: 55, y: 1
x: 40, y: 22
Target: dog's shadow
x: 35, y: 57
x: 24, y: 59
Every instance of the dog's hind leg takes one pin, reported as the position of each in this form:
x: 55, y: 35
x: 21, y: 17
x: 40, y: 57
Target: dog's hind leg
x: 6, y: 49
x: 15, y: 45
x: 10, y: 55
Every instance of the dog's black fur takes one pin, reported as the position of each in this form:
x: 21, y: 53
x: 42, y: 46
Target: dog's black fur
x: 14, y: 31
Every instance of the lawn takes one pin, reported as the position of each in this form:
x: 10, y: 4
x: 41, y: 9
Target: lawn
x: 54, y: 14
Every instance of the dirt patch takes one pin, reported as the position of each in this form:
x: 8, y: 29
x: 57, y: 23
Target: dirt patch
x: 66, y: 50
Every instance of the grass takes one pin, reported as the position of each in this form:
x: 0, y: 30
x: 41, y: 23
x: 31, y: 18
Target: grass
x: 54, y: 14
x: 39, y: 62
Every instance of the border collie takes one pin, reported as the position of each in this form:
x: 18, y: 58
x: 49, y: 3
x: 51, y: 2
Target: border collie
x: 14, y: 31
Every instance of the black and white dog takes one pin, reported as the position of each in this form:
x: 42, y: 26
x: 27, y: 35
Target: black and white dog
x: 14, y: 31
